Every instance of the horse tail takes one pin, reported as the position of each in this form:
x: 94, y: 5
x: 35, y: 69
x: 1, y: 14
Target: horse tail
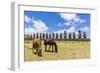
x: 56, y: 49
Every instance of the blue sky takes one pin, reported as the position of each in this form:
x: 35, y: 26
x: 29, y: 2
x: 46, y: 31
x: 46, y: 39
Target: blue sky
x: 56, y: 22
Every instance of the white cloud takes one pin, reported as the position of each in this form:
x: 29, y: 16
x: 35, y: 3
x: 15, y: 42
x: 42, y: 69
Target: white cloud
x: 86, y: 29
x: 60, y: 31
x: 59, y: 24
x: 29, y: 30
x: 82, y: 21
x: 71, y: 29
x: 67, y: 23
x: 27, y: 19
x: 67, y: 16
x: 71, y: 19
x: 64, y: 24
x: 38, y: 26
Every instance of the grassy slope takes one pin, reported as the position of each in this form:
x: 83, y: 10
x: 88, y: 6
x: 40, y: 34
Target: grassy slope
x: 66, y: 50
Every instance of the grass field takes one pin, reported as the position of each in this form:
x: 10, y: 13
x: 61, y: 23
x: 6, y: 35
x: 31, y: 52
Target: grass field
x: 67, y: 50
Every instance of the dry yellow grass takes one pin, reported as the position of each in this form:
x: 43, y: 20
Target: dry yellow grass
x: 66, y: 50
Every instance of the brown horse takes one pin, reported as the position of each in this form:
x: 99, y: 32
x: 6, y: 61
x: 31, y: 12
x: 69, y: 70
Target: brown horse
x: 37, y: 47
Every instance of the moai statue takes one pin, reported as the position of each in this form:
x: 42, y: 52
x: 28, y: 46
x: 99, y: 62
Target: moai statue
x: 84, y: 35
x: 56, y: 35
x: 43, y: 35
x: 69, y: 35
x: 53, y: 35
x: 31, y: 36
x: 34, y: 36
x: 46, y: 35
x: 79, y: 34
x: 40, y: 35
x: 60, y: 35
x: 74, y: 36
x: 50, y: 36
x: 37, y: 35
x: 65, y: 34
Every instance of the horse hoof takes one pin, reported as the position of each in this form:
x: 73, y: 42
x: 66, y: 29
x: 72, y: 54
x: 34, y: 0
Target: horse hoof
x: 35, y: 53
x: 56, y: 51
x: 40, y: 55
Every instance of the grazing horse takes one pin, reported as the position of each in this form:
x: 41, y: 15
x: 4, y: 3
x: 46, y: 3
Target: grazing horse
x: 52, y: 43
x: 37, y: 47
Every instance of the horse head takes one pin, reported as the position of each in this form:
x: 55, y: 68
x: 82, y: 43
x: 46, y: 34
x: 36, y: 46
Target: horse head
x: 45, y: 41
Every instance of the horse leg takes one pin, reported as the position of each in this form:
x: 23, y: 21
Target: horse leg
x: 40, y: 53
x: 37, y: 51
x: 34, y: 49
x: 45, y: 47
x: 49, y: 47
x: 52, y: 48
x: 56, y: 49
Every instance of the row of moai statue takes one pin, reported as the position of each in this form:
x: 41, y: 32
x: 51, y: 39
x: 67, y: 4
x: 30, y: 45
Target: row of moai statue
x: 64, y: 35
